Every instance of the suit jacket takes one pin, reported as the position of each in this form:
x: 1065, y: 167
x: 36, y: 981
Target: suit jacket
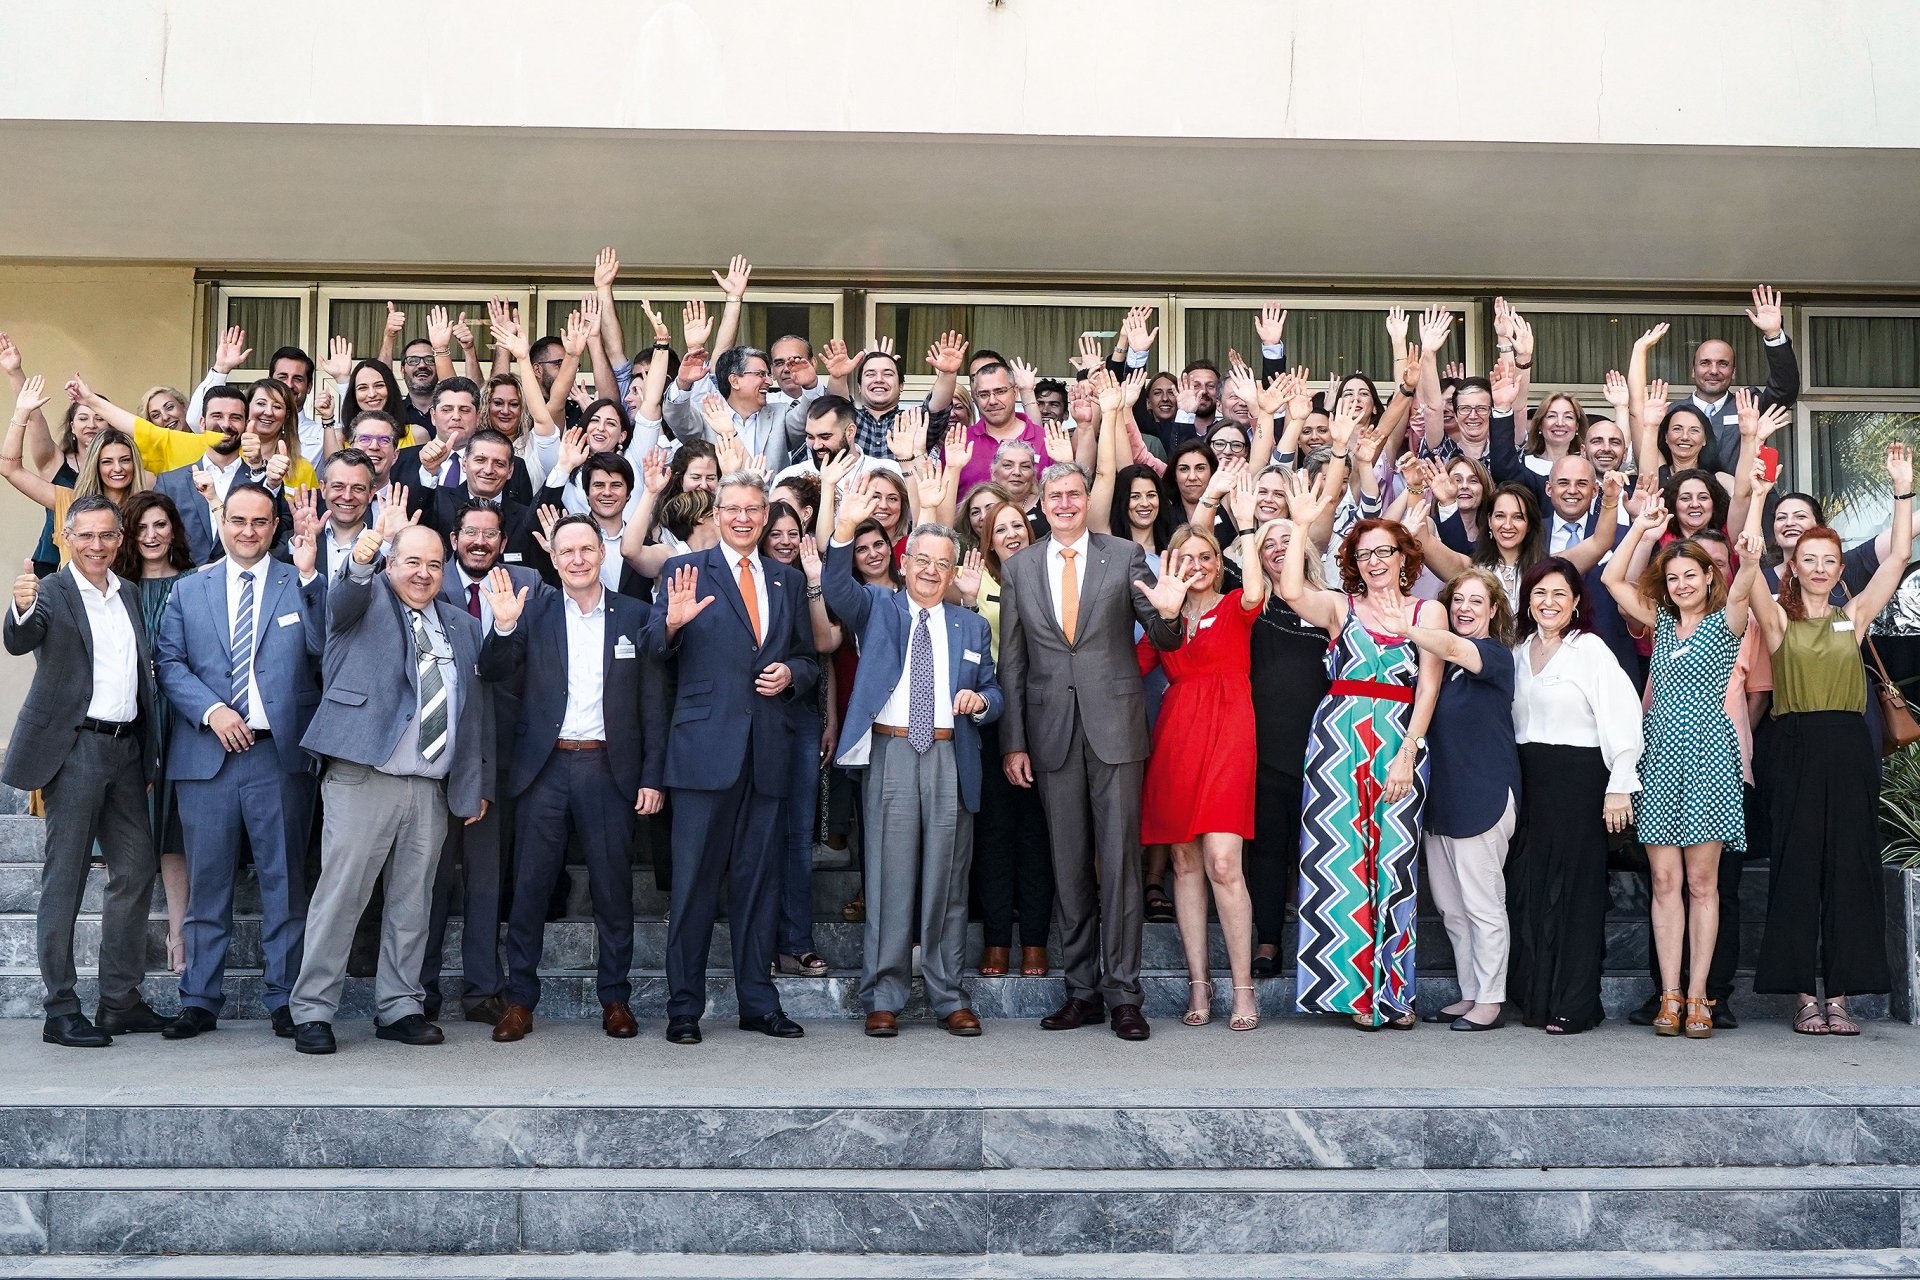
x: 60, y: 638
x: 882, y: 619
x: 1783, y: 388
x: 1046, y: 680
x: 503, y: 702
x: 195, y: 665
x: 406, y: 471
x: 203, y: 540
x: 716, y: 710
x: 633, y: 697
x: 370, y: 690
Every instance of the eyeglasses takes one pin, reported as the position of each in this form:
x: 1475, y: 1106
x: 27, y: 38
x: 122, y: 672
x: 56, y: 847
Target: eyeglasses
x: 732, y: 512
x: 1365, y: 554
x: 549, y: 364
x: 416, y: 362
x: 920, y: 561
x: 95, y: 539
x: 1229, y: 446
x: 1472, y: 410
x: 379, y: 441
x: 484, y: 535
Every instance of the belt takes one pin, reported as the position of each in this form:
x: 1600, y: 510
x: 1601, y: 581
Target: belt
x: 111, y: 728
x: 1370, y: 689
x: 939, y: 735
x: 579, y: 744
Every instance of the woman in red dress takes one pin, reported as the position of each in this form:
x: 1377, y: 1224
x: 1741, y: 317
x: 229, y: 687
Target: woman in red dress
x: 1198, y: 794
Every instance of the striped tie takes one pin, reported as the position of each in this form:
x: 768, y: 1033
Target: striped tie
x: 433, y: 692
x: 242, y: 646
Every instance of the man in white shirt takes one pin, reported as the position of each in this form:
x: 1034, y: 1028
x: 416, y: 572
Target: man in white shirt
x: 829, y: 432
x: 772, y: 429
x: 347, y: 492
x: 83, y: 741
x: 1713, y: 376
x: 290, y: 366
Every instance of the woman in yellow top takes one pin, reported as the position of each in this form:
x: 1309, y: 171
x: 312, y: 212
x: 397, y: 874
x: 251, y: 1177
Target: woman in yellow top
x: 109, y: 467
x: 271, y: 415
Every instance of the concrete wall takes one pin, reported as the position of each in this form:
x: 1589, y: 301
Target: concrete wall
x: 124, y: 328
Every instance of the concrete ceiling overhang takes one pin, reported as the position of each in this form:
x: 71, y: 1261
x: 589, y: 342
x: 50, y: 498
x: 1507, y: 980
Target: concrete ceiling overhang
x: 944, y: 206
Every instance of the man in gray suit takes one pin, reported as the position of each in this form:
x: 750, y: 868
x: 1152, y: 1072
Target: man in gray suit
x: 83, y: 741
x: 1076, y: 718
x: 406, y: 738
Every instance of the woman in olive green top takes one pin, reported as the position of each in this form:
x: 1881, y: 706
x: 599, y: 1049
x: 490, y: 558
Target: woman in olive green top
x: 1825, y: 916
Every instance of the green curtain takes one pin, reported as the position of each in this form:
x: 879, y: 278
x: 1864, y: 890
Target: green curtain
x: 1579, y: 347
x: 362, y: 322
x: 271, y: 323
x: 1327, y: 342
x: 760, y: 322
x: 1047, y: 337
x: 1864, y: 351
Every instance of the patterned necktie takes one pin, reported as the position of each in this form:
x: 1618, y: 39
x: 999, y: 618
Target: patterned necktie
x: 752, y: 600
x: 242, y: 645
x: 432, y: 690
x: 473, y: 599
x: 920, y: 688
x: 1069, y: 594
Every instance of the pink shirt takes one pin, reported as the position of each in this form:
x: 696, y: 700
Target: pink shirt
x: 979, y: 468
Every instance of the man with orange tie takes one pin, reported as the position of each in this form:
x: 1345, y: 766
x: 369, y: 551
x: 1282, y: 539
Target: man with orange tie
x: 736, y: 635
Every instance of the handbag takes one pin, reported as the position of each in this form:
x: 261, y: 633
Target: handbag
x: 1898, y: 726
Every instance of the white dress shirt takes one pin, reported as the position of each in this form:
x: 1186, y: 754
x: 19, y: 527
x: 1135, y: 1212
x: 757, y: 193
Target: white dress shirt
x: 1580, y: 699
x: 116, y: 655
x: 899, y: 705
x: 223, y: 476
x: 585, y: 718
x: 612, y: 561
x: 866, y: 463
x: 256, y: 706
x: 1566, y: 533
x: 759, y: 581
x: 463, y: 582
x: 1056, y: 563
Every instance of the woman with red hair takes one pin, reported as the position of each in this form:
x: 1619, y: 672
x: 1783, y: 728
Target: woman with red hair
x: 1366, y: 773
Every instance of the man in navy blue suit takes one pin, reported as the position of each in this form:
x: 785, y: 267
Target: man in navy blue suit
x: 586, y: 754
x: 729, y: 753
x: 924, y: 686
x: 238, y: 656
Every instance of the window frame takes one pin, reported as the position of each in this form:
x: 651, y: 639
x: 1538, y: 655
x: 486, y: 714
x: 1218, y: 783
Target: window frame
x: 1468, y: 305
x: 225, y: 291
x: 918, y: 383
x: 1802, y: 332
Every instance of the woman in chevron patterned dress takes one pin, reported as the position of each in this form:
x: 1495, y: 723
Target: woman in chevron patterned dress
x: 1366, y: 776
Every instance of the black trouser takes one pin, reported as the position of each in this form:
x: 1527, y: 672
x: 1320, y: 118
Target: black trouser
x: 1273, y: 856
x: 1012, y: 863
x: 473, y: 872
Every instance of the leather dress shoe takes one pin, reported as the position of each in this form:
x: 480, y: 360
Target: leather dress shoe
x: 961, y: 1022
x: 1129, y: 1023
x: 314, y: 1037
x: 282, y: 1019
x: 412, y: 1029
x: 75, y: 1032
x: 515, y: 1021
x: 192, y: 1020
x: 1646, y: 1013
x: 141, y: 1017
x: 488, y: 1011
x: 882, y: 1025
x: 1074, y: 1013
x: 431, y: 1008
x: 1723, y: 1019
x: 683, y: 1030
x: 775, y: 1024
x: 617, y: 1021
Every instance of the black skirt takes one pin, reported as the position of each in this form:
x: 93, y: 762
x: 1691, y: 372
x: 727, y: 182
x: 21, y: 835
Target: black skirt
x: 1826, y: 911
x: 1557, y: 887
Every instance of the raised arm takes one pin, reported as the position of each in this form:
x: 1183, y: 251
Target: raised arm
x: 1094, y: 416
x: 390, y: 334
x: 1873, y: 597
x: 734, y: 285
x: 613, y: 339
x: 945, y: 358
x: 1756, y: 428
x: 826, y: 633
x: 41, y: 454
x: 1637, y: 383
x: 1592, y: 549
x: 1307, y: 501
x: 1445, y: 562
x: 1617, y: 577
x: 1783, y: 369
x: 31, y: 397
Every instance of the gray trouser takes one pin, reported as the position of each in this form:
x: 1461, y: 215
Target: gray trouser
x: 99, y: 793
x: 919, y: 851
x: 1093, y: 821
x: 375, y: 822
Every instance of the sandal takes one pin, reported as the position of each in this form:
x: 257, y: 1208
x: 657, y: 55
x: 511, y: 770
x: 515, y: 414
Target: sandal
x: 1699, y: 1018
x: 1033, y: 962
x: 1199, y: 1017
x: 1810, y: 1021
x: 1244, y: 1021
x: 1838, y: 1023
x: 808, y: 964
x: 1667, y: 1021
x: 1159, y: 905
x: 855, y: 912
x: 993, y: 962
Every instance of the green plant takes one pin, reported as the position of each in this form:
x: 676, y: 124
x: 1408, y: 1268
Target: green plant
x: 1900, y: 808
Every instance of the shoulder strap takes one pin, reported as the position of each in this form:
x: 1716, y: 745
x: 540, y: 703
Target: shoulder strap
x: 1886, y: 680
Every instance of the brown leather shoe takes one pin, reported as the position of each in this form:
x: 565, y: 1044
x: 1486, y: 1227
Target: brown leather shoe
x: 1129, y: 1023
x: 882, y: 1025
x: 993, y: 962
x: 1033, y: 962
x: 961, y: 1022
x: 617, y: 1021
x: 514, y: 1024
x: 1074, y: 1013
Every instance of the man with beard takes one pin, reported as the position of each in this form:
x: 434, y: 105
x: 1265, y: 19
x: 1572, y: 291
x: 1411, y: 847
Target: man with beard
x: 873, y: 380
x: 487, y: 478
x: 829, y: 432
x: 418, y: 372
x: 199, y: 488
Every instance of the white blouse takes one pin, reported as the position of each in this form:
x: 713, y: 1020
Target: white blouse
x: 1581, y: 699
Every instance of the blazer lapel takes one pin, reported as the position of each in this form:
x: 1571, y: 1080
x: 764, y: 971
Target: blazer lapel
x: 725, y: 567
x: 69, y: 591
x: 1089, y: 583
x: 956, y: 643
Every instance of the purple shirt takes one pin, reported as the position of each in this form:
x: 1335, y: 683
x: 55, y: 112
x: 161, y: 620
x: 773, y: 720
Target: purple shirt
x: 979, y: 468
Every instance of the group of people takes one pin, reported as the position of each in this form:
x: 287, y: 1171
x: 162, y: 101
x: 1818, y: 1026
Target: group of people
x: 1050, y: 640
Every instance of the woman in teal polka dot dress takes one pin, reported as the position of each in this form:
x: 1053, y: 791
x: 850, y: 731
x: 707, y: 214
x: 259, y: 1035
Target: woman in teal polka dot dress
x: 1690, y: 803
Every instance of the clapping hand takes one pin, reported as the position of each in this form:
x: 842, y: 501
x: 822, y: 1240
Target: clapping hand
x: 683, y: 602
x: 505, y: 602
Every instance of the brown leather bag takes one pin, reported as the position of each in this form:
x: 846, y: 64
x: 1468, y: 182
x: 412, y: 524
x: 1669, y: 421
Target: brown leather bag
x: 1898, y: 726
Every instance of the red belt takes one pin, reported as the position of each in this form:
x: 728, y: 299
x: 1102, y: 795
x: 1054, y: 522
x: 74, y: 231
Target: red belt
x: 1370, y: 689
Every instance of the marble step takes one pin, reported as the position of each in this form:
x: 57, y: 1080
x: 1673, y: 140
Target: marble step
x: 572, y: 994
x: 22, y: 839
x: 571, y: 944
x: 1050, y: 1212
x: 1739, y: 1264
x: 842, y: 1130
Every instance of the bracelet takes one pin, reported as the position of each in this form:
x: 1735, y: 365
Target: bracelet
x: 1518, y: 365
x: 440, y: 351
x: 661, y: 344
x: 1341, y: 456
x: 815, y: 592
x: 1903, y: 497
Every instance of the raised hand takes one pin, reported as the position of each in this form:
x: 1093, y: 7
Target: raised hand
x: 33, y: 395
x: 1270, y: 324
x: 1371, y: 438
x: 549, y: 517
x: 1134, y: 331
x: 305, y: 544
x: 1747, y: 407
x: 903, y: 441
x: 1224, y: 477
x: 508, y: 336
x: 590, y: 314
x: 1241, y: 382
x: 9, y: 357
x: 232, y: 351
x: 1613, y: 487
x: 1776, y: 418
x: 1615, y: 391
x: 835, y: 470
x: 967, y: 576
x: 1765, y: 311
x: 1346, y: 418
x: 1522, y: 337
x: 1900, y: 467
x: 1059, y: 442
x: 1454, y: 370
x: 1026, y: 377
x: 1299, y: 391
x: 573, y: 451
x: 1082, y: 405
x: 1435, y: 323
x: 1441, y: 484
x: 1503, y: 324
x: 1307, y: 498
x: 1654, y: 407
x: 858, y: 503
x: 836, y: 361
x: 884, y: 345
x: 323, y: 402
x: 606, y: 268
x: 1187, y: 395
x: 1131, y: 388
x: 1651, y: 338
x: 1750, y: 546
x: 26, y: 589
x: 393, y: 513
x: 1397, y: 327
x: 396, y: 320
x: 1506, y: 384
x: 810, y: 560
x: 695, y: 325
x: 1653, y: 516
x: 1089, y: 357
x: 683, y: 602
x: 734, y: 283
x: 730, y: 455
x: 573, y: 337
x: 957, y: 447
x: 1169, y: 593
x: 439, y: 328
x: 655, y: 471
x: 1395, y: 616
x: 339, y: 361
x: 1241, y: 499
x: 948, y: 354
x: 463, y: 332
x: 930, y: 478
x: 658, y: 321
x: 1410, y: 371
x: 1106, y: 390
x: 505, y: 602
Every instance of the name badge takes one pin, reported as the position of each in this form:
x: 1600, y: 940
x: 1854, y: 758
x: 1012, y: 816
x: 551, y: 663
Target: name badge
x: 512, y: 557
x: 1683, y: 651
x: 287, y: 619
x: 623, y: 648
x: 968, y: 655
x: 1844, y: 624
x: 1206, y: 622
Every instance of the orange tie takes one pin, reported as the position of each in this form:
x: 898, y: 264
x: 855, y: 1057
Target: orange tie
x: 1069, y: 594
x: 752, y: 600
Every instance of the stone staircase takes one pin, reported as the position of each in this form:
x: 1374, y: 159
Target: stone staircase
x: 567, y: 964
